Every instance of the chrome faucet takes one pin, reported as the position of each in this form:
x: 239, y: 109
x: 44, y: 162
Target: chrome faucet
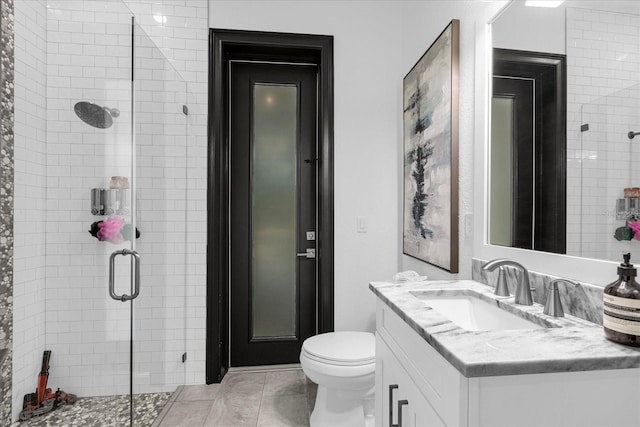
x: 523, y: 289
x: 553, y: 306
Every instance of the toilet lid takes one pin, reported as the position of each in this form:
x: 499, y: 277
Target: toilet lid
x: 342, y: 347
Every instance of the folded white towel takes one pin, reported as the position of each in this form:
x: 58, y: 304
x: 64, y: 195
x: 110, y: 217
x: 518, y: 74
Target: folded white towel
x: 408, y: 276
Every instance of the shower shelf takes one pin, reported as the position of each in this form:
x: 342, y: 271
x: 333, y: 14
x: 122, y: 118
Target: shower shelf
x: 110, y: 201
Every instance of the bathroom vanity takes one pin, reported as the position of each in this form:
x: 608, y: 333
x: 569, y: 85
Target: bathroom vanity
x: 475, y: 359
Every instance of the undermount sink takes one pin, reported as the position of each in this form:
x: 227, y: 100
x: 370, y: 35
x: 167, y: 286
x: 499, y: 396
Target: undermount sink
x: 474, y: 314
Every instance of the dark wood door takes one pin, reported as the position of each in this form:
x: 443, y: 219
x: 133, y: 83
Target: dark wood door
x: 273, y: 136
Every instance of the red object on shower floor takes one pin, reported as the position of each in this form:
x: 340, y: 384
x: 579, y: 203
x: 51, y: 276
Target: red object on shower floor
x: 44, y: 399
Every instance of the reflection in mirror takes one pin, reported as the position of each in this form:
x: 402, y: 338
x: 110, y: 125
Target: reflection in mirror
x: 501, y: 178
x: 610, y: 173
x: 578, y: 203
x: 534, y: 83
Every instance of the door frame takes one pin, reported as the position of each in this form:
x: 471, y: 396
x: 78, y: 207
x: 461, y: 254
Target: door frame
x: 226, y: 45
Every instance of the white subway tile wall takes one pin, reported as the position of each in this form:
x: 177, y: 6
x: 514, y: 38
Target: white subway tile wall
x: 75, y: 51
x: 603, y: 54
x: 30, y: 197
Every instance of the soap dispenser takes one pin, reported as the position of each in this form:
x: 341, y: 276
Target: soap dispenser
x: 621, y: 299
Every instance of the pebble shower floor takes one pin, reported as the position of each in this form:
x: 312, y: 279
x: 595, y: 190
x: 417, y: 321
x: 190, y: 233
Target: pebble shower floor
x: 99, y: 412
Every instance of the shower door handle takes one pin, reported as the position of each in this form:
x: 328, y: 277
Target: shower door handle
x: 136, y: 275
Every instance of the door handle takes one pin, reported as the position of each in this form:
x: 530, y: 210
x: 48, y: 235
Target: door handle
x: 310, y: 253
x: 136, y: 275
x: 391, y: 388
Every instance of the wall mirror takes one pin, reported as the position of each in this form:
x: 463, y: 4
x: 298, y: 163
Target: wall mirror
x: 564, y: 113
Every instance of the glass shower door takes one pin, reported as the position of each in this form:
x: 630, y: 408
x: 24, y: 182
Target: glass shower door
x: 161, y: 115
x: 117, y: 229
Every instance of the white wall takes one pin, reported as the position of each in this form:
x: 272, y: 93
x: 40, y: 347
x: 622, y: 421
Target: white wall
x: 537, y: 29
x: 367, y: 54
x: 30, y: 196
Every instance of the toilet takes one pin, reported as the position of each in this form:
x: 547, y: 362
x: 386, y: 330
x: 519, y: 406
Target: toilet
x: 342, y: 364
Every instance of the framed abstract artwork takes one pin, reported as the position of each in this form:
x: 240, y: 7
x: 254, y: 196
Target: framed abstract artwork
x: 430, y: 122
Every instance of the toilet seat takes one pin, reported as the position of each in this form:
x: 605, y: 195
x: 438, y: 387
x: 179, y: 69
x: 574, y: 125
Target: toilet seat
x: 341, y: 348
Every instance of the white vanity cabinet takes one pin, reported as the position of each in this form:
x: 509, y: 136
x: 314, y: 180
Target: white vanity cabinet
x: 437, y: 394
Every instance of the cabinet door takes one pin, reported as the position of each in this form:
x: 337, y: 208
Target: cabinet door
x: 422, y: 413
x: 399, y: 403
x: 389, y: 387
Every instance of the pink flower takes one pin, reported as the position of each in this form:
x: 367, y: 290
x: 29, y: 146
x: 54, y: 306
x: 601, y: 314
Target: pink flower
x: 635, y: 226
x: 110, y: 229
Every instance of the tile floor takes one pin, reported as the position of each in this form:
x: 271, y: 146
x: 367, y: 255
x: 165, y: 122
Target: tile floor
x: 276, y: 398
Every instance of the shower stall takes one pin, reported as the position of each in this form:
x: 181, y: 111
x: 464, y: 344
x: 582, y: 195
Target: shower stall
x: 102, y: 137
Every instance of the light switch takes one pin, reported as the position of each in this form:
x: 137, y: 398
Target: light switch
x: 361, y: 224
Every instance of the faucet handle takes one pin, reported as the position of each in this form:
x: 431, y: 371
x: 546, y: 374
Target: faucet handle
x: 553, y: 306
x: 502, y: 289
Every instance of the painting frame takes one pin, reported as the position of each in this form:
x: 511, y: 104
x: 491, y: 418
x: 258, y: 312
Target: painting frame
x: 430, y: 153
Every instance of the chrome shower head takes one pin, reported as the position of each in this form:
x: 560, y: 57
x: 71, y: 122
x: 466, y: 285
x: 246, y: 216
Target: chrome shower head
x: 632, y: 134
x: 95, y: 115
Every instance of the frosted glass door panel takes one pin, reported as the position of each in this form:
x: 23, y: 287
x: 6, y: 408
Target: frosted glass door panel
x: 502, y: 113
x: 274, y: 211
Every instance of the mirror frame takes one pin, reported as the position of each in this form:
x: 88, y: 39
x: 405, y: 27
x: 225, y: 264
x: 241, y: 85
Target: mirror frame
x: 593, y: 271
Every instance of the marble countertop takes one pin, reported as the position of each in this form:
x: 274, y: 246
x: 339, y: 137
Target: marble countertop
x: 566, y: 344
x: 3, y: 353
